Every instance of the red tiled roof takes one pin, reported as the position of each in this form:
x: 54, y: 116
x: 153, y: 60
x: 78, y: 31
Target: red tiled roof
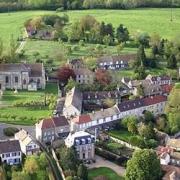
x: 47, y: 123
x: 154, y: 100
x: 82, y: 119
x: 54, y: 122
x: 166, y: 88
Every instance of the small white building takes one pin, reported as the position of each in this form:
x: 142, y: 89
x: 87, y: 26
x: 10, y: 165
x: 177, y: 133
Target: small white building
x: 165, y: 158
x: 10, y: 152
x: 83, y: 143
x: 28, y: 145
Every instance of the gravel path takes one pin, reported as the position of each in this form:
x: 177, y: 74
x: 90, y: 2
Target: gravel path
x: 101, y: 162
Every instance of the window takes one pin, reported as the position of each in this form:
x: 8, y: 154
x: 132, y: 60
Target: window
x: 7, y: 79
x: 16, y: 79
x: 8, y: 155
x: 13, y: 154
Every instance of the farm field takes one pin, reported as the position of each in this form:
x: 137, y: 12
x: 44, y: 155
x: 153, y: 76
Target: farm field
x: 103, y: 171
x: 24, y: 115
x: 146, y: 20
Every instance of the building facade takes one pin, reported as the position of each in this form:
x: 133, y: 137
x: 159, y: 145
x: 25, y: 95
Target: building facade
x: 10, y: 152
x: 28, y: 145
x: 115, y: 62
x: 22, y: 76
x: 83, y: 143
x: 47, y: 130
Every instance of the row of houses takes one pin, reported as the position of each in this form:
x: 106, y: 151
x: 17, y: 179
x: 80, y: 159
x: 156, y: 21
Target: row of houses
x: 154, y: 104
x: 11, y: 151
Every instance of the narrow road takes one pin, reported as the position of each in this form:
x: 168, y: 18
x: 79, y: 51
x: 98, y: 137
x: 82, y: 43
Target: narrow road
x: 101, y: 162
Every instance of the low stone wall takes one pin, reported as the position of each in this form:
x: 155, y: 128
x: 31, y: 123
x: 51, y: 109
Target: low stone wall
x: 58, y: 165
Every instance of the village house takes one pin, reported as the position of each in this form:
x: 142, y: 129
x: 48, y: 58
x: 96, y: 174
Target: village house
x: 98, y: 97
x: 22, y: 76
x: 155, y: 104
x: 82, y: 73
x: 27, y: 143
x: 47, y: 130
x: 73, y: 103
x: 83, y: 143
x: 161, y: 80
x: 10, y: 152
x: 76, y: 63
x: 84, y: 76
x: 115, y: 62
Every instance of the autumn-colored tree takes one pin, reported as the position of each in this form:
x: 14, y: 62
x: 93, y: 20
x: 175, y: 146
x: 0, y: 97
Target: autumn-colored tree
x: 65, y: 73
x: 103, y: 77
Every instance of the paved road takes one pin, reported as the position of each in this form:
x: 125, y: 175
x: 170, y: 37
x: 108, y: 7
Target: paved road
x: 101, y: 162
x: 29, y: 129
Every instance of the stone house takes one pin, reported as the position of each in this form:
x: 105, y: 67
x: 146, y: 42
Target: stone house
x: 27, y: 143
x: 10, y: 152
x: 161, y: 80
x: 137, y: 107
x: 115, y: 62
x: 83, y: 74
x: 47, y: 130
x: 83, y: 143
x: 73, y: 103
x: 22, y: 76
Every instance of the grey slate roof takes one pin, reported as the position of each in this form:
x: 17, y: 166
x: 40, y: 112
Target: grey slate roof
x: 9, y: 146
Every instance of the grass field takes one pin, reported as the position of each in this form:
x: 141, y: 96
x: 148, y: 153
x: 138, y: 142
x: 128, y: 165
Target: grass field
x: 103, y: 171
x: 24, y: 115
x: 148, y: 20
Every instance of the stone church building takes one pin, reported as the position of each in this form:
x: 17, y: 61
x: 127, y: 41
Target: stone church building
x: 22, y: 76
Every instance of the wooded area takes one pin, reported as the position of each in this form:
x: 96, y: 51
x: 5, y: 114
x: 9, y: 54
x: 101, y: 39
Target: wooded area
x: 13, y: 5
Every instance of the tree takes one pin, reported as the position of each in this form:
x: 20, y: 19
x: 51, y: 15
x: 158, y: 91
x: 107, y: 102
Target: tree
x: 149, y: 117
x: 172, y: 62
x: 140, y: 72
x: 146, y: 131
x: 122, y: 34
x: 143, y: 39
x: 140, y: 90
x: 119, y: 48
x: 20, y: 176
x: 31, y: 165
x: 131, y: 124
x: 82, y: 172
x: 71, y: 83
x: 141, y: 57
x: 65, y: 73
x: 103, y: 77
x: 43, y: 162
x: 143, y: 165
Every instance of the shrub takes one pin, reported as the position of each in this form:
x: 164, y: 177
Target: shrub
x: 10, y: 131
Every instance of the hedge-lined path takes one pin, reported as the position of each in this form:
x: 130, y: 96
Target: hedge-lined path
x: 101, y: 162
x: 29, y: 129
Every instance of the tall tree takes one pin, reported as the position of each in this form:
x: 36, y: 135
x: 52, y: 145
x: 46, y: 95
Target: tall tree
x: 65, y: 73
x: 82, y: 172
x: 103, y: 77
x: 122, y: 34
x: 141, y: 57
x: 12, y: 48
x: 172, y: 62
x: 143, y: 165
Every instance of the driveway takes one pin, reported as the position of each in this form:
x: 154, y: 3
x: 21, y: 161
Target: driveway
x: 101, y: 162
x: 29, y: 129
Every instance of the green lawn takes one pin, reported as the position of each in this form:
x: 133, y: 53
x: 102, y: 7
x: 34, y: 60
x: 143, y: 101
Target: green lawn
x: 50, y: 49
x: 103, y: 171
x: 149, y: 20
x: 24, y: 115
x: 121, y: 134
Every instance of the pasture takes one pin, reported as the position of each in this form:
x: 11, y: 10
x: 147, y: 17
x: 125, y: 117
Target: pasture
x: 145, y: 20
